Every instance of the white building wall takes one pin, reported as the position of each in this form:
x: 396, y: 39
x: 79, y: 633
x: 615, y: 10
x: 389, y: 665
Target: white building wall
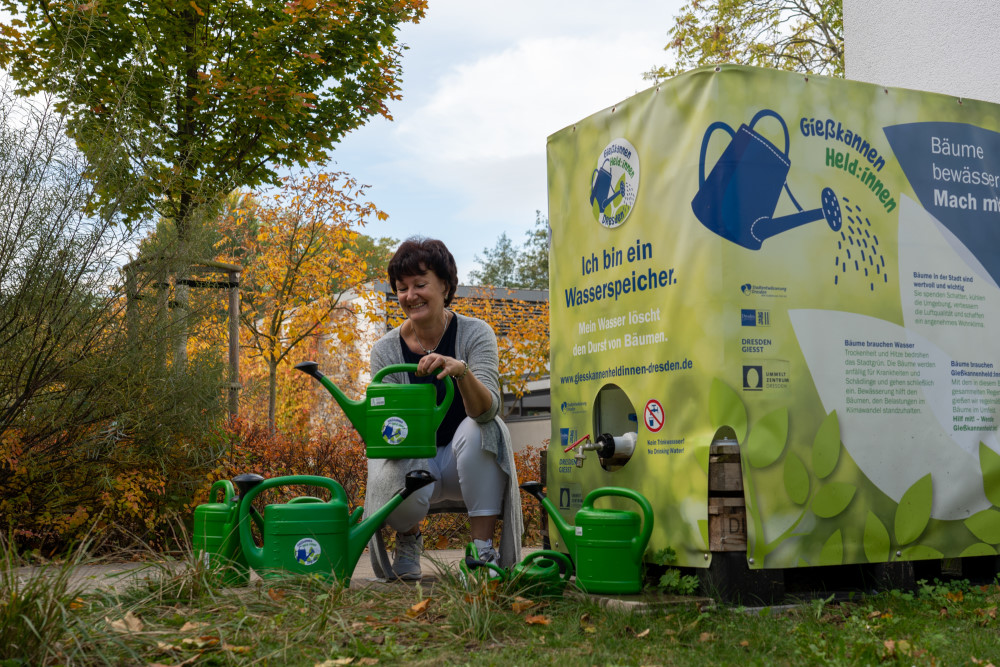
x: 942, y: 46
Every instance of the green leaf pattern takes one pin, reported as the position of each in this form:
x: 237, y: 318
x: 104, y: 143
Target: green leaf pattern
x: 766, y: 444
x: 914, y: 510
x: 833, y: 550
x: 985, y: 525
x: 978, y: 549
x: 921, y: 552
x: 767, y: 439
x: 725, y: 408
x: 989, y: 461
x: 877, y: 542
x: 796, y: 479
x: 832, y: 499
x: 826, y: 446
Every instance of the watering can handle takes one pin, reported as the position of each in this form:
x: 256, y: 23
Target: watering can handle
x: 256, y: 553
x: 567, y: 570
x: 767, y: 112
x: 472, y: 561
x: 449, y: 386
x: 717, y: 125
x: 647, y: 510
x: 227, y: 489
x: 336, y: 490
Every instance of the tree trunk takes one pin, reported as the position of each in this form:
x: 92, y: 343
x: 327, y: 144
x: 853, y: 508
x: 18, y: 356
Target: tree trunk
x: 272, y: 393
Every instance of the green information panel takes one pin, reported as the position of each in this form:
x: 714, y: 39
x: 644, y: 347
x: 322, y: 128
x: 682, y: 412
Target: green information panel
x: 808, y: 264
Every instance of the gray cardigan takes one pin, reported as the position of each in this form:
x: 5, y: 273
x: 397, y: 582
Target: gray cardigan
x: 477, y: 344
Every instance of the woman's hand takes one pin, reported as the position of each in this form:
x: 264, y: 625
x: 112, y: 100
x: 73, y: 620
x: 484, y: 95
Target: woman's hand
x: 440, y: 364
x: 475, y: 396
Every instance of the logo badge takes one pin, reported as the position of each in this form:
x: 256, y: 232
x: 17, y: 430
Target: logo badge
x: 394, y: 430
x: 307, y: 551
x: 614, y: 184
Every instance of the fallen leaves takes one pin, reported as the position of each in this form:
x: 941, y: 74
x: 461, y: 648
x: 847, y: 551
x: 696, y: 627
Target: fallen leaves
x: 521, y: 605
x: 894, y: 647
x: 419, y: 608
x: 537, y: 620
x: 129, y: 623
x: 276, y: 594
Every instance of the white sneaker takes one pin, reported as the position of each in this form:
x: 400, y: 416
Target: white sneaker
x: 406, y: 564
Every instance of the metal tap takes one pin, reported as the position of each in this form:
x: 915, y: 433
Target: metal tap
x: 581, y: 446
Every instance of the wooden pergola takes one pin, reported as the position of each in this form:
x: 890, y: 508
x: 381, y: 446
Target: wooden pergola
x: 230, y: 282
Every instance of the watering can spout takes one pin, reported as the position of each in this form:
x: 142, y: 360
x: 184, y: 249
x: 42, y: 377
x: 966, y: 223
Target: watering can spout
x: 355, y: 410
x: 566, y: 530
x: 361, y: 532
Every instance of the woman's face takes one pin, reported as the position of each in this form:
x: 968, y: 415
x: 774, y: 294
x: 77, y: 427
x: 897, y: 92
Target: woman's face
x: 422, y: 297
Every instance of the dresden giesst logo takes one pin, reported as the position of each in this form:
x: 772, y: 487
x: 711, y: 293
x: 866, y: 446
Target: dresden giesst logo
x: 614, y: 183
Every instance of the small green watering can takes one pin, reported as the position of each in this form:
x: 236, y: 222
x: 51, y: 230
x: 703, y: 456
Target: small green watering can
x: 309, y: 536
x: 606, y: 545
x: 396, y: 421
x: 216, y: 538
x: 542, y: 573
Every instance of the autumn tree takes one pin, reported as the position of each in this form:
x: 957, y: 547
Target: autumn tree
x: 299, y: 251
x: 797, y: 35
x: 522, y: 330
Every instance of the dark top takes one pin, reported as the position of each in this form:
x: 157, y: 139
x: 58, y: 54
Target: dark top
x: 456, y: 412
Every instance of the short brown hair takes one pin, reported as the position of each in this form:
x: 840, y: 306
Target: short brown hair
x: 418, y: 254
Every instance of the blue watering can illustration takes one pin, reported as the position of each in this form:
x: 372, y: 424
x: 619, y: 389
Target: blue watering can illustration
x: 738, y: 198
x: 600, y: 186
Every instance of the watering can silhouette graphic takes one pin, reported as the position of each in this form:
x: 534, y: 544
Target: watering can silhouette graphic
x: 601, y: 188
x: 738, y: 198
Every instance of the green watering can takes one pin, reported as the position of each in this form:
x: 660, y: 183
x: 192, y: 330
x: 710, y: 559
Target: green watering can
x: 396, y: 421
x: 542, y: 573
x: 606, y: 545
x: 216, y: 539
x: 309, y: 536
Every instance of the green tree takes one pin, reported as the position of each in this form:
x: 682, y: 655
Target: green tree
x: 533, y: 262
x: 376, y: 253
x: 506, y: 265
x: 207, y: 95
x: 498, y: 266
x: 220, y: 93
x: 797, y: 35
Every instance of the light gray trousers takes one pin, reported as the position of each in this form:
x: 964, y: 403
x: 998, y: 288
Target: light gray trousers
x: 463, y: 471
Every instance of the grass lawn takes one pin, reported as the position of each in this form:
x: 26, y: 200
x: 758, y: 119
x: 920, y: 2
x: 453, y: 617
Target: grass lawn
x: 179, y: 617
